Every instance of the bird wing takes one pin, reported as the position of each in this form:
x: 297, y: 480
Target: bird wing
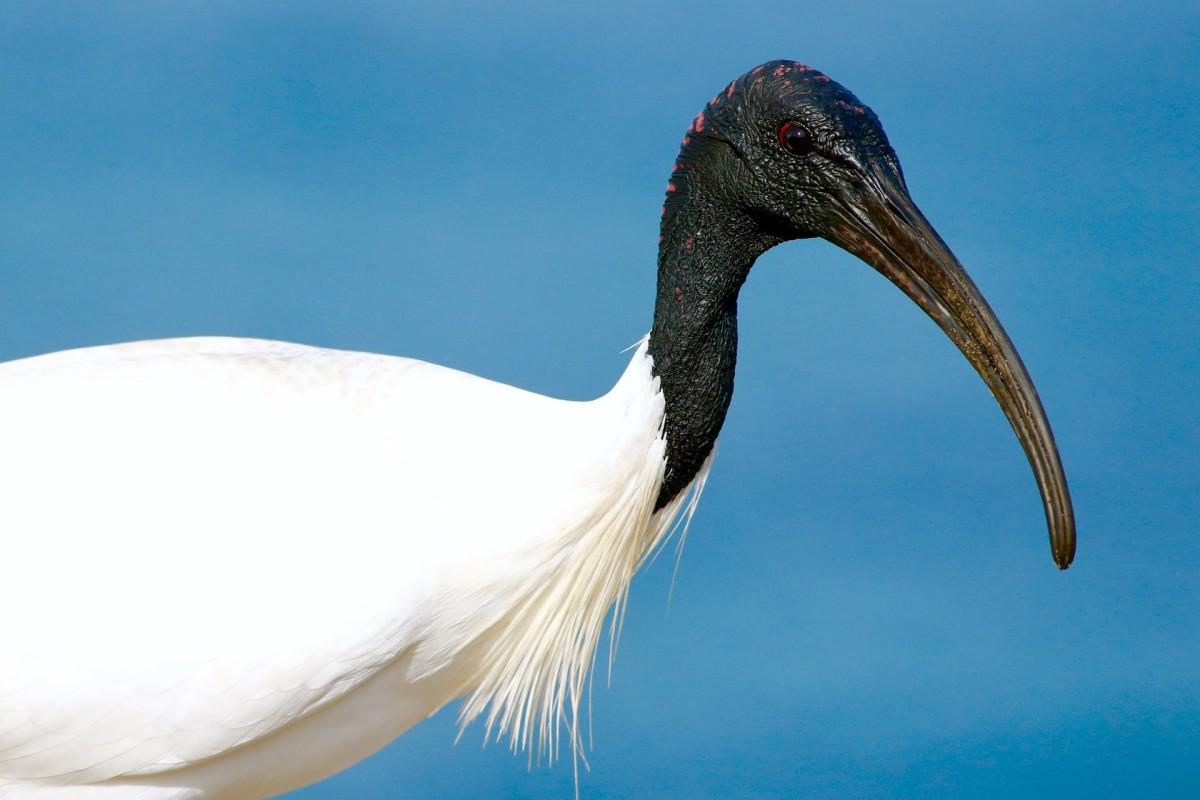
x: 205, y: 539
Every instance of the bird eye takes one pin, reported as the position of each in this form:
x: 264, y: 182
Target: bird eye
x: 795, y: 138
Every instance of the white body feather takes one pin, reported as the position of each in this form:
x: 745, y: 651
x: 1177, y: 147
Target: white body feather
x: 234, y: 567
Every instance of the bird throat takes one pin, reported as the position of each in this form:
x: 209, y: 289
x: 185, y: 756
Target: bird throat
x: 706, y: 250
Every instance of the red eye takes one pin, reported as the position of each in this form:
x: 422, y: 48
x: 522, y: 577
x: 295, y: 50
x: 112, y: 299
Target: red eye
x: 795, y: 138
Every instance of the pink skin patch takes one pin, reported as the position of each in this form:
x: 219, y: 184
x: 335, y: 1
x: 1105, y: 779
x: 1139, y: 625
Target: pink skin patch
x: 757, y: 69
x: 780, y: 71
x: 820, y: 77
x: 678, y: 295
x: 851, y: 107
x: 698, y: 123
x: 687, y: 140
x: 670, y: 187
x: 729, y: 90
x: 687, y: 244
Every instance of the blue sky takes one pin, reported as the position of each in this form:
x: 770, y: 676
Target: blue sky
x: 866, y: 606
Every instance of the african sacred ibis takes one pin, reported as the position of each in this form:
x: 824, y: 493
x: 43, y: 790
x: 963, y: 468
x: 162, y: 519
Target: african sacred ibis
x: 234, y: 567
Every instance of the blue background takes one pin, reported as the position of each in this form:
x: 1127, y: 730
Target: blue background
x: 866, y: 606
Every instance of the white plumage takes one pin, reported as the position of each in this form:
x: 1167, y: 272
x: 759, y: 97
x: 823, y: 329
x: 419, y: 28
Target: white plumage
x: 233, y: 567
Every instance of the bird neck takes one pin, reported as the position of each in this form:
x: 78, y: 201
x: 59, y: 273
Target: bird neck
x: 705, y: 252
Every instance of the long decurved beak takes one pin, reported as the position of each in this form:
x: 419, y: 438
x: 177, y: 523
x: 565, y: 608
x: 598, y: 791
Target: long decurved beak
x: 879, y: 223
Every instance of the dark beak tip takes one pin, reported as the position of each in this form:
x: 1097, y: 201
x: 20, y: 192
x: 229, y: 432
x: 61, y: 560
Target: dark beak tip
x: 1062, y: 541
x: 1064, y: 555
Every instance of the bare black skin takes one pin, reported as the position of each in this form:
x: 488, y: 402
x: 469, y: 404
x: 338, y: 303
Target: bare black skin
x: 786, y: 153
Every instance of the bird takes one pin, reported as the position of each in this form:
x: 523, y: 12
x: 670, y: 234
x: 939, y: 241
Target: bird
x: 234, y: 567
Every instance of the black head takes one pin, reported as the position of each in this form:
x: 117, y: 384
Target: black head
x: 784, y: 144
x: 783, y: 153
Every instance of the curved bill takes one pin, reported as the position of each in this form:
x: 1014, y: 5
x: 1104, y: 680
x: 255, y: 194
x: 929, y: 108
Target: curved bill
x: 880, y: 225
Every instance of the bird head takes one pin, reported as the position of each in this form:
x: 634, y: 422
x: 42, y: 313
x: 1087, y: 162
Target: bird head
x: 796, y: 155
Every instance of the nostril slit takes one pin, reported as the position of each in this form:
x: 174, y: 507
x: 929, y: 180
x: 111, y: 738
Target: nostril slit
x: 887, y: 201
x: 897, y: 213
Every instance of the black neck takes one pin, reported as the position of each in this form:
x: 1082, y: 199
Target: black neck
x: 705, y: 253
